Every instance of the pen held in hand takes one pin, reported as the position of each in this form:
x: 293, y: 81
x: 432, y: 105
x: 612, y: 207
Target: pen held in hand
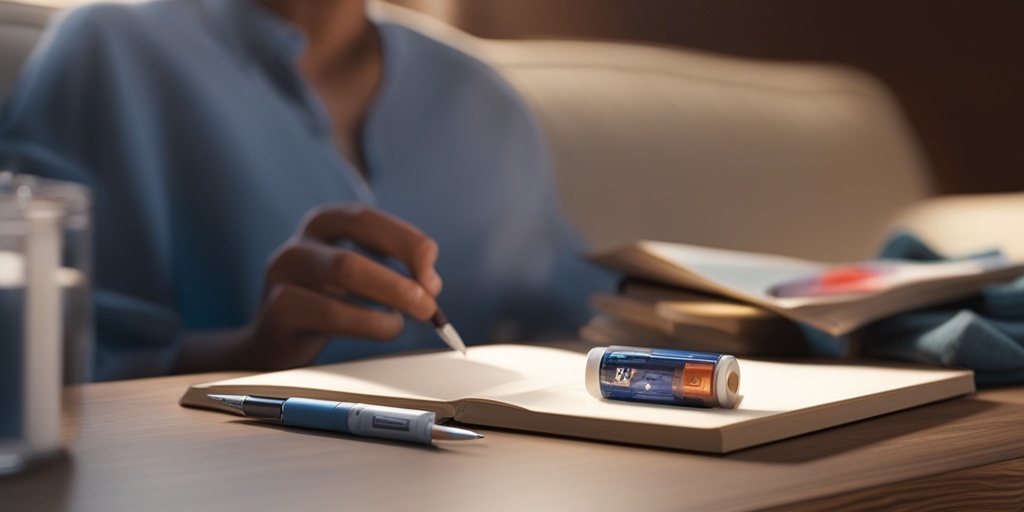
x: 447, y: 332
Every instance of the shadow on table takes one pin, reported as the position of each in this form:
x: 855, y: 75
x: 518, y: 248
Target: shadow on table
x: 939, y: 422
x: 41, y: 488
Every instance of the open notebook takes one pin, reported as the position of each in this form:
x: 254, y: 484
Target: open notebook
x: 541, y: 389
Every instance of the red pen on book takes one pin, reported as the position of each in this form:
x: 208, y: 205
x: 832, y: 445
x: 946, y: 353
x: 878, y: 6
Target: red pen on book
x: 876, y: 276
x: 846, y: 279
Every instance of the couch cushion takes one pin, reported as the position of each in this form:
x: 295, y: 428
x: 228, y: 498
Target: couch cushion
x: 20, y: 28
x: 667, y: 143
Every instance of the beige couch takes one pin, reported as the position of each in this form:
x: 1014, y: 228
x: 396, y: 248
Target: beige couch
x: 20, y: 26
x: 812, y: 160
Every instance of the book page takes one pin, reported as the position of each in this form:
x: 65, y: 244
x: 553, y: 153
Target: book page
x: 551, y: 380
x: 487, y: 371
x: 752, y: 274
x: 542, y: 389
x: 768, y: 389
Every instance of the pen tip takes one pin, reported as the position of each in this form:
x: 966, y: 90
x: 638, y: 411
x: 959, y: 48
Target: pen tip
x: 451, y: 338
x: 446, y: 433
x: 233, y: 401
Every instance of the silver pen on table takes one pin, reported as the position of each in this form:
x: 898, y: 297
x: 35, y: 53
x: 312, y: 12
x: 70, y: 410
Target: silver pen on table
x: 348, y: 418
x: 447, y: 332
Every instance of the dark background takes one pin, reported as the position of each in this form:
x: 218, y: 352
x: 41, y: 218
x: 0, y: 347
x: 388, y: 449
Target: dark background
x: 956, y: 66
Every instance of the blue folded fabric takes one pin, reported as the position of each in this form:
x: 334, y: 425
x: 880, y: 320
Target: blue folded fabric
x: 984, y: 333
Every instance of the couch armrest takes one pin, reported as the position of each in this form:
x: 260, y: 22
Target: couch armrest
x: 962, y: 224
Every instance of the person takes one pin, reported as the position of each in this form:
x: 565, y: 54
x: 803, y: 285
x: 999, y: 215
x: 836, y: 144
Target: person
x: 283, y: 183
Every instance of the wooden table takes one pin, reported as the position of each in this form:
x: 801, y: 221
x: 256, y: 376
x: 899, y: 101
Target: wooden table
x: 136, y: 450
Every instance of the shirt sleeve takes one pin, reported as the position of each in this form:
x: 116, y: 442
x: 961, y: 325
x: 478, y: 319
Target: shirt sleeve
x: 59, y: 123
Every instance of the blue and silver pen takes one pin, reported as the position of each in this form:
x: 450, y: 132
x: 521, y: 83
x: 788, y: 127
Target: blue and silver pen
x: 348, y: 418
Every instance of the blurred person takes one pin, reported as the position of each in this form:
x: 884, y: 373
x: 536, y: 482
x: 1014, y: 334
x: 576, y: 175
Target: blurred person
x: 282, y: 183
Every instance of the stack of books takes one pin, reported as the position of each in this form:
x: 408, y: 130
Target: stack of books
x: 652, y: 315
x: 746, y: 303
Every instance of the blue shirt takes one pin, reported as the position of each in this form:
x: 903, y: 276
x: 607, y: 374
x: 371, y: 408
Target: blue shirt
x: 205, y: 146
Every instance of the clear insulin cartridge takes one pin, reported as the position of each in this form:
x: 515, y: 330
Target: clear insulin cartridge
x: 663, y: 376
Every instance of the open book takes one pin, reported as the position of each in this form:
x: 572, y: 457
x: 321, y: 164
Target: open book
x: 541, y: 389
x: 758, y: 279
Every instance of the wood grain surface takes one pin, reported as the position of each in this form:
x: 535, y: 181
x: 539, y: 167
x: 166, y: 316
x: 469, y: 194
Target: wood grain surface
x: 132, y: 447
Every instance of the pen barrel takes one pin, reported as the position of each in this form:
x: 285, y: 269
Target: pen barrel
x: 392, y: 423
x: 318, y: 414
x: 359, y: 419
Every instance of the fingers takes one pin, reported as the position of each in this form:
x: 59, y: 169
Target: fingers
x: 378, y: 232
x: 293, y: 311
x: 308, y: 278
x: 333, y: 271
x: 295, y: 323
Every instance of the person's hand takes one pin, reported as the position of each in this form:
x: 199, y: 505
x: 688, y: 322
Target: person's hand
x: 308, y: 281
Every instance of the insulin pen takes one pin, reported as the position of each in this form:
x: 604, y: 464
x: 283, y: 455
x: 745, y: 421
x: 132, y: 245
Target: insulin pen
x: 663, y: 376
x: 348, y: 418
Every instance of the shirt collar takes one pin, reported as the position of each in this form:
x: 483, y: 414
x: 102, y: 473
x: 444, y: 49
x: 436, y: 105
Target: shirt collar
x: 255, y: 31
